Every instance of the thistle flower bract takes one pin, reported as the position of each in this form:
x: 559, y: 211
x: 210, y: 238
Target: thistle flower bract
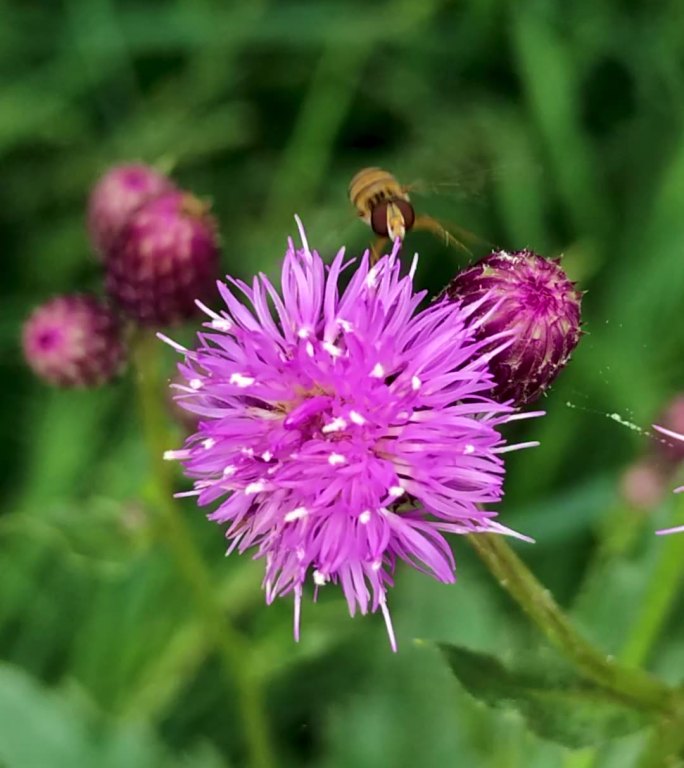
x: 342, y: 430
x: 73, y: 341
x: 531, y: 298
x: 166, y: 257
x: 116, y: 195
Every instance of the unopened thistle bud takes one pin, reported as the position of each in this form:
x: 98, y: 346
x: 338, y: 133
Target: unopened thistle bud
x: 73, y: 341
x: 531, y: 298
x: 166, y: 257
x: 643, y: 485
x: 115, y: 196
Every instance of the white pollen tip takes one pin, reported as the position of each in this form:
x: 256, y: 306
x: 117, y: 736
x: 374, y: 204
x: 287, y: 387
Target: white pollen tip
x: 331, y: 349
x: 296, y: 514
x: 195, y: 383
x: 357, y: 418
x: 336, y: 425
x: 320, y: 579
x: 372, y: 277
x: 256, y: 487
x: 221, y: 324
x: 376, y: 565
x: 266, y: 455
x: 174, y: 344
x: 174, y: 455
x: 209, y: 443
x: 469, y: 448
x: 335, y: 459
x: 302, y: 236
x: 309, y: 349
x: 365, y: 516
x: 228, y: 470
x: 240, y: 380
x: 378, y: 371
x: 345, y: 325
x: 396, y: 491
x: 416, y: 383
x: 303, y: 333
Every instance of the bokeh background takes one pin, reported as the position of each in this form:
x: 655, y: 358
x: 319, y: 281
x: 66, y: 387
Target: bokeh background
x: 554, y: 126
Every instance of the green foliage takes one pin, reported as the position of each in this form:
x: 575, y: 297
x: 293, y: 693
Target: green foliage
x: 552, y: 126
x: 61, y: 729
x: 555, y: 703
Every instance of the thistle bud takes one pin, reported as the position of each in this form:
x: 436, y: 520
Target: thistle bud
x: 643, y: 485
x: 531, y: 298
x: 73, y: 341
x: 165, y: 257
x: 115, y: 196
x: 672, y: 418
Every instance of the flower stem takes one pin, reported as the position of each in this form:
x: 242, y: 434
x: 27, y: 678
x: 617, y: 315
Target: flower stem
x: 632, y: 685
x: 654, y: 607
x: 171, y: 526
x: 662, y: 589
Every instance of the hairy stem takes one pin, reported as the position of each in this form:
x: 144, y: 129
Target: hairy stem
x: 632, y: 685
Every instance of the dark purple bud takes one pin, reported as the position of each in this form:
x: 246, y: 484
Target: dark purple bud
x: 74, y: 341
x: 115, y: 196
x: 166, y: 256
x: 532, y: 298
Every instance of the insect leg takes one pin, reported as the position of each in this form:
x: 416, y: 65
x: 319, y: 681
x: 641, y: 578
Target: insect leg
x: 428, y: 224
x: 377, y: 249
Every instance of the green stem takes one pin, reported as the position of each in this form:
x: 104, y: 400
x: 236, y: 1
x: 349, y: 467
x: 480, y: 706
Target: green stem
x: 656, y: 603
x: 654, y: 608
x: 632, y: 685
x: 233, y: 650
x: 663, y: 746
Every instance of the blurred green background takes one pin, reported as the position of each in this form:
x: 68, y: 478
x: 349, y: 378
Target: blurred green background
x: 554, y: 126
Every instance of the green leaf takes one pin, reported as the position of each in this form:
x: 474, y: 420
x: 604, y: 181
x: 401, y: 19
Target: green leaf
x: 555, y: 703
x: 59, y: 728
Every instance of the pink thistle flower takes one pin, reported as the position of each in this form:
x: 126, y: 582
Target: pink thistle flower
x: 74, y: 341
x: 119, y: 192
x: 675, y: 436
x: 343, y: 430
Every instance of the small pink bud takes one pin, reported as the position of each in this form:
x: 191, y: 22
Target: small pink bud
x: 73, y: 341
x: 115, y: 196
x: 166, y: 257
x: 643, y: 485
x: 531, y: 298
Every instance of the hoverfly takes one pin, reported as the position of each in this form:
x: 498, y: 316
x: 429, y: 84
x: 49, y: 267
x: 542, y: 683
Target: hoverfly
x: 384, y: 204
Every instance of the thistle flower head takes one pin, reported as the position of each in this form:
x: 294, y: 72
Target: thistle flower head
x: 165, y: 257
x: 341, y: 430
x: 118, y: 193
x: 73, y: 341
x: 531, y: 298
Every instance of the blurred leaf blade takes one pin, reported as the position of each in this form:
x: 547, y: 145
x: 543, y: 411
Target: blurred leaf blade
x: 559, y: 707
